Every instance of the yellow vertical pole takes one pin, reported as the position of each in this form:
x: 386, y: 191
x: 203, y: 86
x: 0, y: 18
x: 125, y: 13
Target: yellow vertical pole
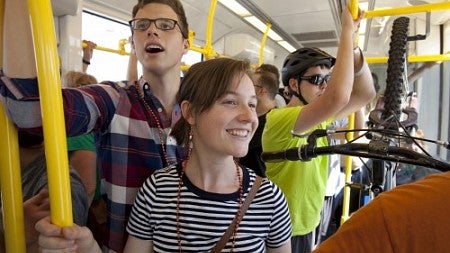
x: 209, y: 52
x: 348, y: 159
x: 47, y: 66
x: 348, y: 174
x: 11, y: 185
x: 263, y: 44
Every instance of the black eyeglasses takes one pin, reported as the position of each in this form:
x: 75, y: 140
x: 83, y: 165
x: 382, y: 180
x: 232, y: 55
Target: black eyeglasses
x: 316, y: 79
x: 142, y: 24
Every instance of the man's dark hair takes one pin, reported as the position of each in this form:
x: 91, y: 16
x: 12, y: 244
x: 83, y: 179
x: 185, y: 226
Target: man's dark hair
x: 176, y: 6
x: 269, y: 68
x: 29, y: 140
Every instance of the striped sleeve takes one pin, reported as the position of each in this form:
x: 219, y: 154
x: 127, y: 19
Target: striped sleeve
x: 85, y: 108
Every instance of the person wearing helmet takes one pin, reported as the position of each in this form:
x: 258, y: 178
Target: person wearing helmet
x: 319, y: 98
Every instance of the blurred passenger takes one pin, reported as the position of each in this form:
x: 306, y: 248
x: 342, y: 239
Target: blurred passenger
x: 411, y: 218
x: 87, y: 54
x: 279, y: 100
x: 266, y: 87
x: 78, y: 79
x: 36, y: 203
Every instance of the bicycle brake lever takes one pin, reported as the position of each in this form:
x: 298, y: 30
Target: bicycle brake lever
x: 445, y: 144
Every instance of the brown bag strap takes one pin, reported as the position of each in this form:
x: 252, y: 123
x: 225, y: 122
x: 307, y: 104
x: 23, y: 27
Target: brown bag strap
x: 226, y: 236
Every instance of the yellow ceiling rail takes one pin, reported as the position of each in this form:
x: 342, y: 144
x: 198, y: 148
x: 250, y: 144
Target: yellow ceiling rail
x: 47, y: 65
x: 120, y: 50
x: 10, y: 174
x: 263, y: 44
x: 408, y: 10
x: 412, y: 58
x: 191, y: 43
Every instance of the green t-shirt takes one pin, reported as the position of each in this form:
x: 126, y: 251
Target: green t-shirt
x: 303, y: 183
x: 85, y: 142
x: 81, y: 142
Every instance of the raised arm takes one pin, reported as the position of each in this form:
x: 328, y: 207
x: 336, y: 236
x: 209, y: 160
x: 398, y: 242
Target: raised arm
x: 363, y: 89
x: 337, y: 94
x: 18, y: 51
x: 88, y: 52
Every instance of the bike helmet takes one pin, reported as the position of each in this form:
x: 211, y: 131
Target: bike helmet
x: 303, y: 58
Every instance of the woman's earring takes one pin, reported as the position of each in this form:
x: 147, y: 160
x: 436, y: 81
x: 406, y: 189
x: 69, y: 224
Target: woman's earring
x: 190, y: 144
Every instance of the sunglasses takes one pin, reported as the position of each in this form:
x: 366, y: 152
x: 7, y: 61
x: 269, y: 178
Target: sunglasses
x: 316, y: 79
x: 142, y: 24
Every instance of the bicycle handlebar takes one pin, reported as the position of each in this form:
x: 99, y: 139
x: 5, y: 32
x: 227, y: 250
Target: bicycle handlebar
x: 371, y: 150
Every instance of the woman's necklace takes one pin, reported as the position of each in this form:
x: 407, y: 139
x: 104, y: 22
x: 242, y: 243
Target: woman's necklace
x: 238, y: 215
x: 158, y: 123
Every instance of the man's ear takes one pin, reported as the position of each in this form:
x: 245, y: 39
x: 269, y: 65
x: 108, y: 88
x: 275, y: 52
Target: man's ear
x: 187, y: 113
x: 294, y: 85
x: 186, y: 46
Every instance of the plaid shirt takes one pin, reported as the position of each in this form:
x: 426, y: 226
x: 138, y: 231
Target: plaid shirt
x: 128, y: 139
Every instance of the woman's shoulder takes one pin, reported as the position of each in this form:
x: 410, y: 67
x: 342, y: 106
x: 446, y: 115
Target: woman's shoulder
x: 169, y: 171
x: 266, y: 186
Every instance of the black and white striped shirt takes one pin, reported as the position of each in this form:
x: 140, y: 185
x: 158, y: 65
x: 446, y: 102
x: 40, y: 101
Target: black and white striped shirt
x: 204, y: 216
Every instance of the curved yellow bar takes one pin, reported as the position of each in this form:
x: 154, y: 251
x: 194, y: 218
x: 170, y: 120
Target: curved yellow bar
x: 209, y: 51
x: 10, y: 175
x: 263, y: 44
x: 52, y: 111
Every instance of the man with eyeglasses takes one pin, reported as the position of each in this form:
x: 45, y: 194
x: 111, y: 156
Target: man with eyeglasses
x: 131, y: 120
x: 319, y: 97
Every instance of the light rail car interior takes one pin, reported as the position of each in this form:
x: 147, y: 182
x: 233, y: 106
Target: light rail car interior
x: 237, y: 29
x: 266, y: 31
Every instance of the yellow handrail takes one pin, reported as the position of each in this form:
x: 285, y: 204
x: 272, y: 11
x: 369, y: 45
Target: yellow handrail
x: 47, y: 65
x: 10, y: 175
x: 407, y: 10
x: 263, y: 44
x: 412, y: 58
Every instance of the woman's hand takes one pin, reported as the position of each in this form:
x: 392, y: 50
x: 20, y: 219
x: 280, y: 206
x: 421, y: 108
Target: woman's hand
x: 65, y: 239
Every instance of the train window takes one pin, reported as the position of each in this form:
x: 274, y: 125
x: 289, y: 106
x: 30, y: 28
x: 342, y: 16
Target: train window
x: 107, y: 33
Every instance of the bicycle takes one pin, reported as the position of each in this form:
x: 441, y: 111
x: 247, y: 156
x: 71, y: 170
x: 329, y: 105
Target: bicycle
x: 390, y: 126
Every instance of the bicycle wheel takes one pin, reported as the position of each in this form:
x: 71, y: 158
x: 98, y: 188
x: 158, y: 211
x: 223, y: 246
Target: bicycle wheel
x: 396, y: 80
x: 383, y: 172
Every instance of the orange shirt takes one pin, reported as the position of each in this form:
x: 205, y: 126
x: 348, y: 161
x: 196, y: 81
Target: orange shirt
x: 412, y: 218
